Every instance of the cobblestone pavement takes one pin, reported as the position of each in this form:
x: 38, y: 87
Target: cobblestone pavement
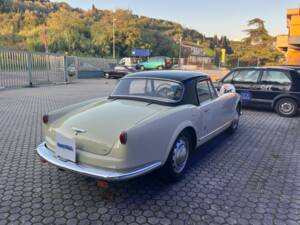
x: 252, y: 177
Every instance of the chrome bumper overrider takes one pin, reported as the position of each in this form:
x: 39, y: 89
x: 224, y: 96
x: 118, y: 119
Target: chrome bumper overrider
x: 98, y: 173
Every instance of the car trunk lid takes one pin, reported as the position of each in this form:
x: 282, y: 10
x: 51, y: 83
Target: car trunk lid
x: 97, y: 128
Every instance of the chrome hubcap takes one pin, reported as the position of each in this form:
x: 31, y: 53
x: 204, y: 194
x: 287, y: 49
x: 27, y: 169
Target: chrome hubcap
x: 180, y: 156
x: 286, y: 108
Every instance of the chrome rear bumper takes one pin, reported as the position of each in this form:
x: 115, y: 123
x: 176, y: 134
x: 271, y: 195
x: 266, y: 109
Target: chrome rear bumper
x: 101, y: 174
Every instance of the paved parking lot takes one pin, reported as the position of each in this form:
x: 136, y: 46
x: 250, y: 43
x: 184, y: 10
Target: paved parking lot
x: 252, y: 177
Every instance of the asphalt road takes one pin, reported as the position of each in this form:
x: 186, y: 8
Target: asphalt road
x: 252, y: 177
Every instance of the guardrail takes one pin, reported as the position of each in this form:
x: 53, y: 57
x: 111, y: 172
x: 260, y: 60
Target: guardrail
x: 21, y: 68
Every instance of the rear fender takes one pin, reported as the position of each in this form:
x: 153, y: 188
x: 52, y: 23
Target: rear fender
x: 284, y: 96
x: 176, y: 133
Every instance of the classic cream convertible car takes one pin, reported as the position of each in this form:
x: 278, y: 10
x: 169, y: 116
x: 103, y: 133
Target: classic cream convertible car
x: 151, y: 120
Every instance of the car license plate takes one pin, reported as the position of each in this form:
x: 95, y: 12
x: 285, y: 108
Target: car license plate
x: 65, y: 148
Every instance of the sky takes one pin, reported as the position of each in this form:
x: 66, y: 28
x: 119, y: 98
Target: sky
x: 210, y: 17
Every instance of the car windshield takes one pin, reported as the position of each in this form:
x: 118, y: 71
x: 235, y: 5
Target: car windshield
x: 149, y: 89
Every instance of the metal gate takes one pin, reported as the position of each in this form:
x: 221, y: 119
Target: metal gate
x: 13, y: 69
x: 20, y: 69
x: 47, y: 68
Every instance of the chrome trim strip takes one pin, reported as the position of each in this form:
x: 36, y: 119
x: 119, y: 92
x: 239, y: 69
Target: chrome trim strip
x: 261, y: 100
x: 215, y: 131
x: 98, y: 173
x: 78, y: 130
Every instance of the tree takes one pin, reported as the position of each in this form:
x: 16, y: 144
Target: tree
x: 67, y: 32
x: 127, y: 34
x: 89, y: 32
x: 5, y: 5
x: 258, y: 34
x: 257, y: 48
x: 159, y: 44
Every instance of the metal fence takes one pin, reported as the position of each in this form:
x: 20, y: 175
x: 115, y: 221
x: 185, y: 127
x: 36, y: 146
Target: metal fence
x: 20, y: 68
x: 89, y: 63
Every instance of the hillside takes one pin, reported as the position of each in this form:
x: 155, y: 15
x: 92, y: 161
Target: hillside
x: 89, y: 32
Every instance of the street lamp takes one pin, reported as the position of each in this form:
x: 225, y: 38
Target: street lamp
x: 114, y: 41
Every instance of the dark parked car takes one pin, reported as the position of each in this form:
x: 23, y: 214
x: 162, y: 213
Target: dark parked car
x: 274, y: 87
x: 292, y: 67
x: 118, y: 72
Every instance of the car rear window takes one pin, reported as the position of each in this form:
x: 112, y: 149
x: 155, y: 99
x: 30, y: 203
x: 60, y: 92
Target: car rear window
x: 275, y: 77
x: 149, y: 88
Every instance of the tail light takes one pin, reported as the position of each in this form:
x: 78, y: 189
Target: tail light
x: 123, y: 138
x: 45, y: 119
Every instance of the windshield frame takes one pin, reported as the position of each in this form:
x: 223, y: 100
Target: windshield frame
x: 149, y: 99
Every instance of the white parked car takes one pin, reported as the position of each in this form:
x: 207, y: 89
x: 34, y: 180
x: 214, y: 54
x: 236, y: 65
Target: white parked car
x: 151, y: 120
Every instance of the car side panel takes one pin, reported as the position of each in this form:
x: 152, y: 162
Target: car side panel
x: 266, y: 94
x: 227, y: 106
x: 222, y: 111
x: 152, y: 65
x: 249, y: 91
x: 151, y: 140
x: 270, y: 94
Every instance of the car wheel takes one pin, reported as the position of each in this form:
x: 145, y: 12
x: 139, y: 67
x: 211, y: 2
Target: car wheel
x: 286, y: 107
x: 177, y: 159
x: 160, y: 68
x: 107, y: 76
x: 142, y: 68
x: 235, y: 123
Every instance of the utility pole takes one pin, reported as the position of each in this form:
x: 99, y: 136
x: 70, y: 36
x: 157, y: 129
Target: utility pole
x: 114, y: 39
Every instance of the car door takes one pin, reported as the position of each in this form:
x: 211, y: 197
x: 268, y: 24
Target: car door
x: 246, y: 84
x: 207, y: 111
x: 273, y: 82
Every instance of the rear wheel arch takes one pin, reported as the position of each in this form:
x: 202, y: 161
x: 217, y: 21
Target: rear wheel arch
x: 178, y: 156
x: 191, y: 133
x: 186, y: 127
x: 239, y: 107
x: 282, y: 97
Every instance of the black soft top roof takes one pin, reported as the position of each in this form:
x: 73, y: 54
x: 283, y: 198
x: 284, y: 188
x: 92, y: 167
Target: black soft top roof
x: 177, y: 75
